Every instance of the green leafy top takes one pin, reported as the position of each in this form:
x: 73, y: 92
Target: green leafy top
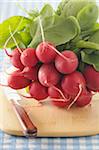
x: 72, y: 26
x: 72, y: 7
x: 54, y: 30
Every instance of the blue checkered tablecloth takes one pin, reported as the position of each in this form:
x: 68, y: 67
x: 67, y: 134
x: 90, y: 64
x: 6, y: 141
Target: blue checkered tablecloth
x: 19, y: 143
x: 7, y: 142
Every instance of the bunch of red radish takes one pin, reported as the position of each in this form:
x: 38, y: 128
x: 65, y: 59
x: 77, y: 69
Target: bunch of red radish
x: 48, y: 72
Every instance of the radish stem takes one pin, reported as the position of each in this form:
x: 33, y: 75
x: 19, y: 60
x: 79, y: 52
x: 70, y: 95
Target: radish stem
x: 42, y: 31
x: 14, y: 40
x: 13, y: 33
x: 43, y: 39
x: 60, y: 54
x: 22, y: 8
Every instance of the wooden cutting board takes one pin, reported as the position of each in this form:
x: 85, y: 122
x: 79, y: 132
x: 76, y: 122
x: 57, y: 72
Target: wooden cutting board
x: 50, y: 120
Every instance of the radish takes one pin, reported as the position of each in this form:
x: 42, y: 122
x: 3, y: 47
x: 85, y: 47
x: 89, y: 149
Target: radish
x: 30, y: 73
x: 92, y: 78
x: 28, y: 57
x: 17, y: 81
x: 72, y: 83
x: 84, y: 99
x: 45, y: 52
x: 60, y: 103
x: 38, y: 91
x: 56, y: 92
x: 58, y: 98
x: 15, y: 58
x: 48, y: 75
x: 68, y: 63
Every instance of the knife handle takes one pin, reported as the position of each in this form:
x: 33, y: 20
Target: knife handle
x: 29, y: 128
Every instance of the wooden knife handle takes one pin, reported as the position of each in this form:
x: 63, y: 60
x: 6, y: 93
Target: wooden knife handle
x: 29, y: 128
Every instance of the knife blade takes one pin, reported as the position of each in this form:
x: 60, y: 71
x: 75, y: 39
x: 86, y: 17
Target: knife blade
x: 29, y: 129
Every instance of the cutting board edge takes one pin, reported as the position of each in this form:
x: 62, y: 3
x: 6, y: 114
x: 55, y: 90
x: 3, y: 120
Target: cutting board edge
x: 68, y: 134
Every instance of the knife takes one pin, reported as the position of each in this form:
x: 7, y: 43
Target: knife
x: 29, y: 129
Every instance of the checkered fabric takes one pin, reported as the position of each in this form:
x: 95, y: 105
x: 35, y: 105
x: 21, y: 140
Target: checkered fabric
x: 20, y: 143
x: 7, y: 142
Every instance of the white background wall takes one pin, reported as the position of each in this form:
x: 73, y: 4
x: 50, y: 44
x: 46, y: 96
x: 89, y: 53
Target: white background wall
x: 9, y: 7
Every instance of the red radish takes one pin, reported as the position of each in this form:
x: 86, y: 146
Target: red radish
x: 38, y: 91
x: 56, y: 92
x: 60, y: 103
x: 84, y: 99
x: 68, y: 63
x: 53, y: 93
x: 48, y: 75
x: 17, y: 81
x: 92, y: 78
x: 15, y: 58
x: 76, y: 97
x: 58, y: 98
x: 71, y: 83
x: 45, y: 52
x: 30, y: 73
x: 28, y: 57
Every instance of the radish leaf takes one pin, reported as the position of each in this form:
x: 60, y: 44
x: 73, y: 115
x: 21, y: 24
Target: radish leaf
x: 72, y: 7
x: 92, y: 59
x: 57, y: 30
x: 88, y: 16
x: 15, y: 22
x: 47, y: 11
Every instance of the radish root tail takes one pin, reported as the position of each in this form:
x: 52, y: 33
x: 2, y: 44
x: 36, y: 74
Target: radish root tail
x: 9, y: 55
x: 25, y: 96
x: 77, y: 96
x: 60, y: 92
x: 59, y: 100
x: 3, y: 85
